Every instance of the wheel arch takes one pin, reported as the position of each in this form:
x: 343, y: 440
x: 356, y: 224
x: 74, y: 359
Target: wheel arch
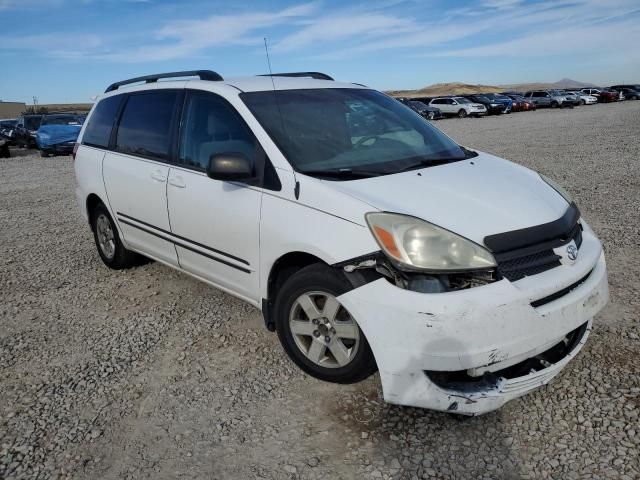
x: 92, y: 201
x: 284, y: 266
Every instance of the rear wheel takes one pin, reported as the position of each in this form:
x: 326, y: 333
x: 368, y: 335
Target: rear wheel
x: 110, y: 247
x: 462, y: 113
x: 317, y: 332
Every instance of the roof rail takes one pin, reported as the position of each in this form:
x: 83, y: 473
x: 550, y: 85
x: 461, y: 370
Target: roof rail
x: 316, y: 75
x: 203, y: 74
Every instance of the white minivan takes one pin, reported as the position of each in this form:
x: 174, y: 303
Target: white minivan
x: 369, y: 239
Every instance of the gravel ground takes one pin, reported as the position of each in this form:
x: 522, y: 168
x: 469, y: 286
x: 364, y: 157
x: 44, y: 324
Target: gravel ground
x: 147, y: 373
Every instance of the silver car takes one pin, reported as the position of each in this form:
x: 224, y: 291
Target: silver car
x: 547, y: 98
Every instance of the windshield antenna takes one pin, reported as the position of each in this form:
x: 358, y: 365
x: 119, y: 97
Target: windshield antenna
x: 296, y: 190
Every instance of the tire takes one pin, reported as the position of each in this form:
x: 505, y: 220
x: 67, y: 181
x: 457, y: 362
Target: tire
x: 114, y: 256
x: 462, y: 113
x: 44, y: 153
x: 584, y: 102
x: 554, y: 104
x: 314, y: 286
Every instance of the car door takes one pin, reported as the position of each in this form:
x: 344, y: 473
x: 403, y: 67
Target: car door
x: 136, y: 170
x: 216, y: 223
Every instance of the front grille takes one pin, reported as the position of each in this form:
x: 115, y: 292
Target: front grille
x: 527, y: 252
x: 527, y: 265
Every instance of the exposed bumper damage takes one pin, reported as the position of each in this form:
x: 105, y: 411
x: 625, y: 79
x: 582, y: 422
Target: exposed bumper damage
x: 470, y: 351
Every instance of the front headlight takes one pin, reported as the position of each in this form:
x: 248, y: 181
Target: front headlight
x: 417, y: 244
x: 558, y: 188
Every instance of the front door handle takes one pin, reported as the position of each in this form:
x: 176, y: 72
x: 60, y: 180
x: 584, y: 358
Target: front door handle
x: 177, y: 182
x: 158, y: 177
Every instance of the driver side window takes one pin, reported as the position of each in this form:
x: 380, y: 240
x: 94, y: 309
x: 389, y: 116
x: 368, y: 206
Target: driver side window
x: 211, y: 126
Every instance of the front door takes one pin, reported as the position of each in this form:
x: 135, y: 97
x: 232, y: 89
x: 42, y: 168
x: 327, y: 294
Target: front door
x: 215, y: 224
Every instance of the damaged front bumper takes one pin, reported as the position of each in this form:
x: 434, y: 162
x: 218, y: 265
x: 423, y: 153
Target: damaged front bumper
x: 431, y: 348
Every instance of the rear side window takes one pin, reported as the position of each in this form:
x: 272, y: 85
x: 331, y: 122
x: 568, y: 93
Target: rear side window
x: 100, y: 124
x: 145, y: 124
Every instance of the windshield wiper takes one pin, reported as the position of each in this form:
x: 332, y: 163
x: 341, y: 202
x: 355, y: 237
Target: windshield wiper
x: 343, y: 173
x: 429, y: 162
x: 468, y: 153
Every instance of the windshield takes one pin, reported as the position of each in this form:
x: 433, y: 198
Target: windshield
x: 462, y: 100
x: 60, y: 120
x: 481, y: 98
x: 348, y: 129
x: 32, y: 123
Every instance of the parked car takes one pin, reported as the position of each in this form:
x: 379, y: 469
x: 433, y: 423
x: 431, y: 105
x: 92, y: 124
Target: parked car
x: 520, y: 104
x: 547, y: 98
x: 57, y: 134
x: 368, y: 238
x: 585, y: 99
x: 501, y: 99
x: 458, y: 106
x: 571, y: 97
x: 631, y: 91
x: 26, y: 128
x: 427, y: 111
x: 492, y: 108
x: 603, y: 96
x: 7, y: 130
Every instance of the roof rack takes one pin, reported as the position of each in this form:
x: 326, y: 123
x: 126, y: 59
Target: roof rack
x: 316, y: 75
x: 203, y: 74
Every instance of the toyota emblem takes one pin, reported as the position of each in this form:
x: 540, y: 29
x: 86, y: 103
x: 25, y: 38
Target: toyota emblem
x: 572, y: 252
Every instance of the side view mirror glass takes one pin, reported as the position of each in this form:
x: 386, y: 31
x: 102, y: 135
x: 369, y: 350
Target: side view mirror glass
x: 230, y: 166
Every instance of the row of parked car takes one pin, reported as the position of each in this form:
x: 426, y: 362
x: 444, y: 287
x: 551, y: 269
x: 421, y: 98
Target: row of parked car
x: 51, y: 133
x: 481, y: 104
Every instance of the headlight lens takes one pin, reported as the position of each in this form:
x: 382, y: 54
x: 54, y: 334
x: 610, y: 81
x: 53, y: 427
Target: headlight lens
x: 417, y: 244
x: 558, y: 188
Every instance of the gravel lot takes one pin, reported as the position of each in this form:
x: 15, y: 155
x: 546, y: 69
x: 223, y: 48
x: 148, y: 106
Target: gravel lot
x: 147, y: 373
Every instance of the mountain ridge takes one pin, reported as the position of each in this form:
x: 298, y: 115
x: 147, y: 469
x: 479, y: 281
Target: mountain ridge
x: 460, y: 88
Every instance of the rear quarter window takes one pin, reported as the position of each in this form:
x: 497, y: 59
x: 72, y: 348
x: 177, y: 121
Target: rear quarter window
x: 98, y: 130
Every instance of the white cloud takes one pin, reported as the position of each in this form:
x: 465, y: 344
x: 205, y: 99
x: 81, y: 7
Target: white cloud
x: 186, y: 38
x: 523, y: 29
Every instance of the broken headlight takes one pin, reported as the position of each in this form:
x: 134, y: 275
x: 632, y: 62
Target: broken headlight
x: 416, y: 245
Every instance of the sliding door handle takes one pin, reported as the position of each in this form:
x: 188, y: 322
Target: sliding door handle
x: 177, y: 182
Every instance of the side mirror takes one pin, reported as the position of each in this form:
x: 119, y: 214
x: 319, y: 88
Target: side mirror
x: 231, y: 166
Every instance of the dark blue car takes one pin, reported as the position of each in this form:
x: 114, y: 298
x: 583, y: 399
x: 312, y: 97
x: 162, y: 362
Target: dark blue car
x: 502, y: 100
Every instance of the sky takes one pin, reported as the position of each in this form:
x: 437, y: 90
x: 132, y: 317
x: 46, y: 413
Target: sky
x: 70, y: 50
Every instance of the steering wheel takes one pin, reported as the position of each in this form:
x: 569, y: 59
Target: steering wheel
x: 365, y: 139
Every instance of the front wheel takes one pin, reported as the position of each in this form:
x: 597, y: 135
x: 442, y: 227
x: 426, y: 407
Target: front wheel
x: 554, y: 104
x: 462, y: 113
x: 317, y: 332
x: 44, y: 153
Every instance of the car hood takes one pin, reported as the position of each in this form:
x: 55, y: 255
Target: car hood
x: 481, y: 196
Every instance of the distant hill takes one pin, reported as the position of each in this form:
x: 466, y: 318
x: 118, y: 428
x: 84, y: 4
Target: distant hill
x: 454, y: 88
x: 564, y: 83
x: 68, y: 107
x: 457, y: 88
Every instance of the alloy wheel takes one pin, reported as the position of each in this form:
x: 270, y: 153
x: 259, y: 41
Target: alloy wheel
x: 106, y: 238
x: 323, y: 330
